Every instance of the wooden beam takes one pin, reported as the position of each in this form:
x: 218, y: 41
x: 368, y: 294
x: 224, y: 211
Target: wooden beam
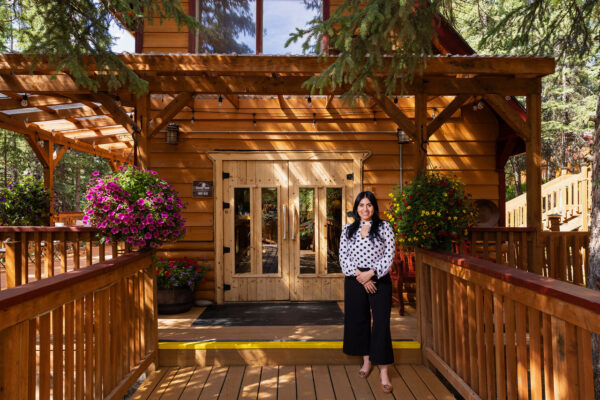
x: 60, y: 154
x: 39, y: 116
x: 39, y: 84
x: 167, y: 114
x: 37, y: 150
x: 194, y: 63
x: 49, y: 175
x: 396, y: 115
x: 445, y: 115
x: 233, y: 99
x: 282, y: 103
x: 117, y: 112
x: 508, y: 114
x: 421, y: 131
x: 144, y: 139
x: 36, y: 132
x: 328, y: 101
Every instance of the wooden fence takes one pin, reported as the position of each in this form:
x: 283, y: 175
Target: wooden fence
x: 32, y: 253
x: 88, y: 333
x: 564, y: 255
x: 496, y: 332
x: 567, y: 195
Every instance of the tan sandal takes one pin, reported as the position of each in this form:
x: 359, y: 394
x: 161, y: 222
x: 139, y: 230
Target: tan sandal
x: 387, y: 388
x: 365, y: 374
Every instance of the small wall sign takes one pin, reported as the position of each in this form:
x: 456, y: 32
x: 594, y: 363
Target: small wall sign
x: 203, y: 189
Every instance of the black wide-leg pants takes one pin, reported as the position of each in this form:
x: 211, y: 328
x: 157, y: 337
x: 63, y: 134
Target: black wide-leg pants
x: 359, y: 338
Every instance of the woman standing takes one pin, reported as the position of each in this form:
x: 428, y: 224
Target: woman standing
x: 367, y: 248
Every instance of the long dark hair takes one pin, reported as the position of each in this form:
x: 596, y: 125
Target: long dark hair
x: 375, y: 220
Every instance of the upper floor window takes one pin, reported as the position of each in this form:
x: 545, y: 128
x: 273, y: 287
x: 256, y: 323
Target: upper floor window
x: 230, y: 26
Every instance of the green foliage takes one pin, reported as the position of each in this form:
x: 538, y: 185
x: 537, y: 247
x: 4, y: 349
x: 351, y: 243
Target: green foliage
x: 25, y: 202
x: 363, y: 32
x: 431, y: 212
x: 75, y: 33
x: 179, y: 272
x: 511, y: 192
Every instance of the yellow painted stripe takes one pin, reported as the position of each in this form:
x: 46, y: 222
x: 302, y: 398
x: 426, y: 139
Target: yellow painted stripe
x: 270, y: 345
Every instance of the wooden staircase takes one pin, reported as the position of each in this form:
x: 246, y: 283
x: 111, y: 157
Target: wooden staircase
x: 568, y: 198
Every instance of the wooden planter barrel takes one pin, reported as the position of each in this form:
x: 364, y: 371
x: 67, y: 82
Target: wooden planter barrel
x: 175, y: 301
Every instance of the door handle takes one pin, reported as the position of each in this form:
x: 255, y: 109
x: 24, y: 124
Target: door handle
x: 285, y: 216
x: 293, y: 222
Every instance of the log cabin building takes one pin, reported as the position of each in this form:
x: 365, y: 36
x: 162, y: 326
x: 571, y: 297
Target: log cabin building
x: 269, y: 172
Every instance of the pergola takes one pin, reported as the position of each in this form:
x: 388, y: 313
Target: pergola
x: 51, y: 108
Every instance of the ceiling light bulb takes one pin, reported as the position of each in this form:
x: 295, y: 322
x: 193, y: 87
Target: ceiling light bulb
x: 396, y: 100
x: 254, y: 119
x: 314, y: 120
x: 309, y: 100
x: 480, y: 105
x: 24, y: 101
x: 220, y: 100
x: 118, y: 101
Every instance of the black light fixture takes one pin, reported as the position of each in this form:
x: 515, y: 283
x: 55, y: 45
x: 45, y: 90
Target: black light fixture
x: 309, y: 100
x: 172, y: 133
x: 396, y: 100
x: 254, y: 119
x: 24, y: 101
x: 402, y: 136
x: 118, y: 100
x: 193, y: 119
x: 220, y: 100
x: 314, y: 119
x: 434, y: 112
x: 375, y: 117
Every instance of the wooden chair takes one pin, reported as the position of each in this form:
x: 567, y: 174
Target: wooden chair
x: 402, y: 273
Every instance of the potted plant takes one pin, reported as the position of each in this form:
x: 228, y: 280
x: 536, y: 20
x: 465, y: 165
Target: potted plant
x: 176, y: 280
x: 135, y: 206
x: 432, y: 212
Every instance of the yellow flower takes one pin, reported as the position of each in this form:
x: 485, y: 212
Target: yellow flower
x: 455, y: 218
x: 408, y: 208
x: 445, y: 194
x: 439, y: 214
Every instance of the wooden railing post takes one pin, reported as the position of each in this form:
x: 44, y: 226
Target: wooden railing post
x: 13, y: 261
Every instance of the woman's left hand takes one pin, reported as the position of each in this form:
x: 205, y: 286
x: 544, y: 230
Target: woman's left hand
x: 365, y: 276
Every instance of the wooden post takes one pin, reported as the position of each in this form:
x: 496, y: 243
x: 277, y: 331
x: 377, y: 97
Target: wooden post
x: 421, y: 131
x: 49, y: 173
x: 534, y: 179
x: 584, y: 199
x: 143, y: 140
x: 14, y: 263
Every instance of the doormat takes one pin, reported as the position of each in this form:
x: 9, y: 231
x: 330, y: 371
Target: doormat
x: 272, y: 314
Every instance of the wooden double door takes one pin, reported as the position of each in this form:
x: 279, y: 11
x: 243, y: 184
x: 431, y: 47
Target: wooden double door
x: 282, y: 222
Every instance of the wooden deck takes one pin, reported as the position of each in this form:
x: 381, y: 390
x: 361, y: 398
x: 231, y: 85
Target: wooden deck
x: 322, y: 382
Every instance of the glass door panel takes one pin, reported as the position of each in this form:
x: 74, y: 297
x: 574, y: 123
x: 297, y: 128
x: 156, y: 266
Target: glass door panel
x: 334, y: 201
x: 270, y: 220
x: 306, y: 231
x: 242, y: 231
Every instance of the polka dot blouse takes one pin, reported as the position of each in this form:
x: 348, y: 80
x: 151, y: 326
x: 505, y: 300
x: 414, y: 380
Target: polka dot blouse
x: 358, y: 252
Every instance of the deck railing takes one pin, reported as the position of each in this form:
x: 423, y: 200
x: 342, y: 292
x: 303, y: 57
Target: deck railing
x: 496, y: 332
x: 31, y: 253
x: 567, y: 195
x: 564, y: 254
x: 88, y: 333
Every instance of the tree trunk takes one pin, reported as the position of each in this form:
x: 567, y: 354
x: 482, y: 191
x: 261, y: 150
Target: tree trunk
x: 5, y: 158
x: 517, y: 175
x: 594, y: 275
x: 77, y: 186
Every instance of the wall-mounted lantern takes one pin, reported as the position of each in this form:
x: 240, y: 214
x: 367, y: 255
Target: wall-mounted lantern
x: 172, y: 133
x: 402, y: 137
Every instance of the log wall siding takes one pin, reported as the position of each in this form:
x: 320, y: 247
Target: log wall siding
x: 464, y: 146
x: 165, y: 36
